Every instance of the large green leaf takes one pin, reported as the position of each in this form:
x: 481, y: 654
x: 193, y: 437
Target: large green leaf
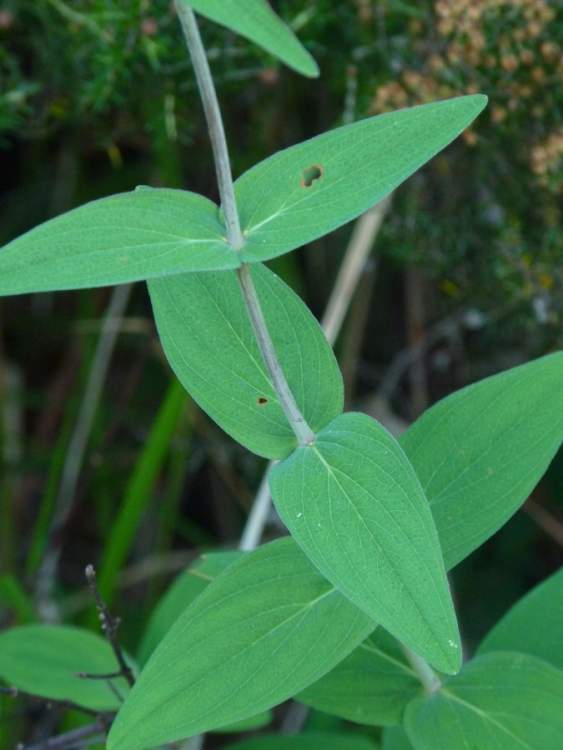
x: 308, y: 741
x: 127, y: 237
x: 45, y: 660
x: 371, y: 686
x: 186, y: 587
x: 534, y: 625
x: 255, y: 20
x: 206, y: 334
x: 307, y: 190
x: 394, y: 738
x: 499, y: 701
x: 481, y: 451
x: 262, y: 631
x: 354, y: 504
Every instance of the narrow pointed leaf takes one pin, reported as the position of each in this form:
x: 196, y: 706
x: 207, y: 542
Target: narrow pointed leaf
x: 255, y: 20
x: 127, y: 237
x: 534, y: 625
x: 206, y: 334
x: 308, y: 741
x: 45, y: 660
x: 183, y: 591
x: 240, y: 649
x: 307, y: 190
x: 508, y: 701
x: 355, y: 506
x: 481, y: 451
x: 372, y: 685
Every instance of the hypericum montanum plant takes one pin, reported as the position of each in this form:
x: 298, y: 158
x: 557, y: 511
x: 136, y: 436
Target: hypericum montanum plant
x: 352, y: 612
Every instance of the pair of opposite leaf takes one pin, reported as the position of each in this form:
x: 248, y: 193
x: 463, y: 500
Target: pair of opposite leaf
x: 368, y: 530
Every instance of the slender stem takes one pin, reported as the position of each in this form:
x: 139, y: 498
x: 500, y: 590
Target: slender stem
x: 73, y: 739
x: 109, y: 626
x: 212, y: 111
x: 78, y: 445
x: 298, y: 424
x: 427, y: 676
x: 214, y: 122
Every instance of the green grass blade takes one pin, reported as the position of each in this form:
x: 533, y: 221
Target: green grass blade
x: 139, y: 489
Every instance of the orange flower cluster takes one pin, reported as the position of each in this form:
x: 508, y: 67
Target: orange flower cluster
x: 502, y: 47
x: 547, y: 160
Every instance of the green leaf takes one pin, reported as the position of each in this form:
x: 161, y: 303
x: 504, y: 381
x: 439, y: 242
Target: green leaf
x: 305, y: 191
x: 481, y: 451
x: 44, y: 660
x: 187, y: 586
x: 534, y: 625
x: 255, y: 20
x: 394, y: 738
x: 127, y: 237
x: 372, y: 685
x: 508, y: 701
x: 240, y: 649
x: 308, y: 741
x: 14, y: 598
x: 254, y: 722
x: 206, y: 334
x: 354, y: 504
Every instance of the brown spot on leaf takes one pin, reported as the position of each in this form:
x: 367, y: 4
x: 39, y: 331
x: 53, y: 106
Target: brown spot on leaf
x: 262, y: 401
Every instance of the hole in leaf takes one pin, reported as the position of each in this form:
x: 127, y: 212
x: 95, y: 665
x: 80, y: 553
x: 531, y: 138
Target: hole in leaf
x: 311, y: 175
x: 262, y: 400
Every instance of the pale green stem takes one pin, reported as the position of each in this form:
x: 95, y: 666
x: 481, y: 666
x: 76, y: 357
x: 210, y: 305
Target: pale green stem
x: 427, y: 676
x: 212, y: 111
x: 214, y: 123
x: 302, y: 430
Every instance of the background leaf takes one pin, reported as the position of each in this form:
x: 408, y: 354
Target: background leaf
x: 206, y: 335
x: 140, y: 489
x: 44, y: 660
x: 187, y: 586
x: 240, y: 649
x: 534, y: 625
x: 309, y: 741
x: 371, y: 686
x: 353, y: 502
x: 394, y: 738
x: 508, y: 701
x: 308, y: 190
x: 255, y: 20
x: 480, y: 452
x: 126, y: 237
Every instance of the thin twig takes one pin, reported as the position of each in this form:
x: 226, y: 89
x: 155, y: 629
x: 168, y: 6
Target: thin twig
x: 365, y: 231
x: 545, y: 520
x: 73, y: 739
x: 109, y: 625
x: 95, y: 676
x: 77, y: 448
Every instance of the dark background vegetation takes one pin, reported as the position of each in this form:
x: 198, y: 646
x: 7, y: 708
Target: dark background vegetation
x: 96, y: 97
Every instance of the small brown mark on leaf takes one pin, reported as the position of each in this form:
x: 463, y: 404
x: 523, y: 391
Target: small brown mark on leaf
x: 311, y: 174
x: 262, y: 401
